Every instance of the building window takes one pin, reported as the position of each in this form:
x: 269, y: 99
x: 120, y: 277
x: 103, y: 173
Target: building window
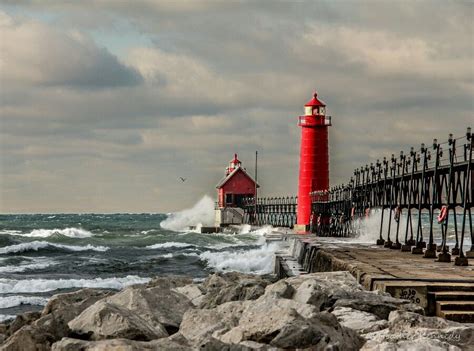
x: 229, y: 199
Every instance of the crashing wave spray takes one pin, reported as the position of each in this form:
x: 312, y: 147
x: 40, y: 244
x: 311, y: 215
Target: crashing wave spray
x: 201, y: 214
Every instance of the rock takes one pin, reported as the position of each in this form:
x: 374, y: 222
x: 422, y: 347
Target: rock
x: 420, y: 344
x: 286, y: 323
x: 377, y: 304
x: 105, y: 320
x: 415, y: 328
x: 232, y: 286
x: 200, y: 324
x: 68, y: 344
x: 169, y: 282
x: 21, y: 320
x: 193, y: 292
x: 360, y: 321
x: 52, y: 325
x: 280, y: 289
x: 158, y: 305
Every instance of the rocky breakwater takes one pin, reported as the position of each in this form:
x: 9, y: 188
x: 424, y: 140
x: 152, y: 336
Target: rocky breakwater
x: 232, y: 311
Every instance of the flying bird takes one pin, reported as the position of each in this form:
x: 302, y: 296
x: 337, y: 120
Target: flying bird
x: 182, y: 179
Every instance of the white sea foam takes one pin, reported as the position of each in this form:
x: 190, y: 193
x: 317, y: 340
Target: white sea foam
x: 168, y: 245
x: 38, y: 245
x: 13, y: 301
x: 202, y: 213
x: 259, y: 261
x: 6, y: 317
x: 39, y: 263
x: 69, y: 232
x: 43, y: 285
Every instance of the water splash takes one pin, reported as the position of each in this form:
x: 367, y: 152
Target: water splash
x: 201, y: 214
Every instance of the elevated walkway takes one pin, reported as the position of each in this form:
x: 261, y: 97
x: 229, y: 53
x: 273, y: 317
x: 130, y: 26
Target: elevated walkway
x: 442, y: 289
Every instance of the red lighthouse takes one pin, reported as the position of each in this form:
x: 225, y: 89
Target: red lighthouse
x: 314, y: 157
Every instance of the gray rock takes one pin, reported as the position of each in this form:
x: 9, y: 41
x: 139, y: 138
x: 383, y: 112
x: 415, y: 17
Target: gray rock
x: 360, y: 321
x: 280, y: 289
x: 52, y: 325
x: 378, y: 304
x: 159, y: 305
x: 420, y: 344
x: 415, y: 329
x: 286, y: 323
x: 20, y: 321
x: 199, y: 325
x: 68, y: 344
x: 193, y: 292
x: 105, y: 320
x: 169, y: 282
x: 224, y: 287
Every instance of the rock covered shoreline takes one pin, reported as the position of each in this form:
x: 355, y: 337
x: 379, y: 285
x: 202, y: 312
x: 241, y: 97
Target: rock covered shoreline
x: 234, y: 311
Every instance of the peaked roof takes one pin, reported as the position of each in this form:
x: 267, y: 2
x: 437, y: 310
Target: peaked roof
x: 231, y: 174
x: 314, y: 101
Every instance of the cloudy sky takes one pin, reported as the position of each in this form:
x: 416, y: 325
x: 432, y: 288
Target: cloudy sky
x: 104, y: 104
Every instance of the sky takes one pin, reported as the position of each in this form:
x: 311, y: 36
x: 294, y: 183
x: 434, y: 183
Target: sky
x: 104, y: 104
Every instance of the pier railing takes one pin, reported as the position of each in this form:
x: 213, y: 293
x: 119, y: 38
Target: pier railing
x: 275, y: 211
x: 435, y: 181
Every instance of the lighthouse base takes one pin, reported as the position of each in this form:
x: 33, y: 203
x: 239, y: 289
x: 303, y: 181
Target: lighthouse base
x: 301, y: 228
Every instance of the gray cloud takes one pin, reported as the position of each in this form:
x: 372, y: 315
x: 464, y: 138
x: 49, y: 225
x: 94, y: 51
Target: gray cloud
x: 84, y: 130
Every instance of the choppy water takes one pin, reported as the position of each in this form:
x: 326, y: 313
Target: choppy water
x: 41, y: 255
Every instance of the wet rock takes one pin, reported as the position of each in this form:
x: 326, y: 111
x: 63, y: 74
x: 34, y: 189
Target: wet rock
x: 360, y: 321
x: 224, y: 287
x: 68, y: 344
x: 105, y: 320
x: 159, y: 305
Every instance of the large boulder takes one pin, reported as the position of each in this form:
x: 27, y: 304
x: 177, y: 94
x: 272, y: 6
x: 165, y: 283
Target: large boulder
x: 420, y: 344
x: 39, y: 334
x: 20, y: 321
x: 159, y: 305
x: 165, y: 344
x: 169, y: 282
x: 284, y: 323
x: 193, y: 292
x: 105, y: 320
x: 232, y: 286
x: 360, y: 321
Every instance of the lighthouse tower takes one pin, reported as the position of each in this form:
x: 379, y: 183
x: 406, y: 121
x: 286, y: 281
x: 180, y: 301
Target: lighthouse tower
x: 314, y: 158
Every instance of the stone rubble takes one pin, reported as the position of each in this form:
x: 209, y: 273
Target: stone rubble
x: 234, y: 311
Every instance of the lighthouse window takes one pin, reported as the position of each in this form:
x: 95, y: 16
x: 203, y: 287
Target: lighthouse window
x: 229, y: 199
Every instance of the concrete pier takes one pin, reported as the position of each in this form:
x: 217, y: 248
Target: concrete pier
x: 442, y: 289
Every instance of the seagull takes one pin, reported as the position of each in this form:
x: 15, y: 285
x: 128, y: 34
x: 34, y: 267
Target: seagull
x: 182, y: 179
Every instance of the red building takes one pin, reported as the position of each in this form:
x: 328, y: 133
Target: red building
x: 235, y: 186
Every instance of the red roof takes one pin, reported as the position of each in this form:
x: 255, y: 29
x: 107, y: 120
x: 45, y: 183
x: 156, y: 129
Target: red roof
x: 231, y: 174
x: 314, y: 101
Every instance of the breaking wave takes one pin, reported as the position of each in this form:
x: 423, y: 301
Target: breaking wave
x: 38, y: 245
x: 44, y: 285
x: 13, y: 301
x: 201, y: 214
x: 169, y: 245
x: 45, y: 233
x: 39, y: 264
x: 258, y: 261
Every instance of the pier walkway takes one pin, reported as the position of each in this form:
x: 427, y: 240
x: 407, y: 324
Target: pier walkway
x: 441, y: 288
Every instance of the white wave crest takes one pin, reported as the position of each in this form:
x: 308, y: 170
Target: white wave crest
x: 44, y: 285
x: 259, y: 261
x: 13, y: 301
x: 6, y: 317
x: 40, y: 263
x: 69, y: 232
x: 168, y: 245
x: 37, y: 245
x: 201, y: 214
